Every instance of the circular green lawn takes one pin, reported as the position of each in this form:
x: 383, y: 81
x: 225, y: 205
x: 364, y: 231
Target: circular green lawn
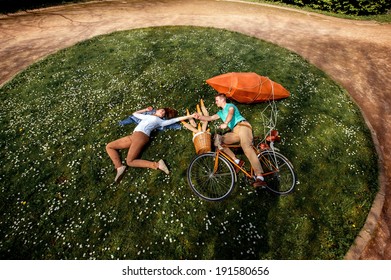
x: 57, y: 196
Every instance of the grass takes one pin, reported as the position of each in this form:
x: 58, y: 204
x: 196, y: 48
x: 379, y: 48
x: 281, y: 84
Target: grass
x: 24, y: 5
x: 57, y: 196
x: 381, y: 18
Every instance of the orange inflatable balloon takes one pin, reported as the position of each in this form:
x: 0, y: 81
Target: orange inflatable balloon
x: 248, y: 87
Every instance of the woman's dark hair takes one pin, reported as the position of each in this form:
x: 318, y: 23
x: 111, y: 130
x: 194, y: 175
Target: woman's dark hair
x: 170, y: 113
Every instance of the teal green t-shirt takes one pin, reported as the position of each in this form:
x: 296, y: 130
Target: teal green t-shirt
x: 237, y: 117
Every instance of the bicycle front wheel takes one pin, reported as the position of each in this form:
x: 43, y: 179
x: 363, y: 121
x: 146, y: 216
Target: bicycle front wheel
x: 210, y: 178
x: 278, y: 172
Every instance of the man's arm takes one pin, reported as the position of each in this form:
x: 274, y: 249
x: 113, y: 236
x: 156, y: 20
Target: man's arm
x: 231, y: 111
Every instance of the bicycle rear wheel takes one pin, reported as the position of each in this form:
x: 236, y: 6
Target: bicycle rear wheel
x: 278, y: 172
x: 208, y: 183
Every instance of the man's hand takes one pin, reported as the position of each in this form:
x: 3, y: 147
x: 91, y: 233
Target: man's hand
x: 223, y: 126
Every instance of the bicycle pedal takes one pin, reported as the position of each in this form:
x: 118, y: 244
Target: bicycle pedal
x: 259, y: 184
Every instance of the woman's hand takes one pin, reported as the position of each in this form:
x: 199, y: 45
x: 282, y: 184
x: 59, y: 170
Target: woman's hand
x: 187, y: 117
x: 149, y: 108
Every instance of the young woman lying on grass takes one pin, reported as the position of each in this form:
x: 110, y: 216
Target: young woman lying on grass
x: 136, y: 141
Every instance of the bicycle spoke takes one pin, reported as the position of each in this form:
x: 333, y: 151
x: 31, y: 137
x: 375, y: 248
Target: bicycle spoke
x: 208, y: 184
x: 222, y: 174
x: 279, y: 174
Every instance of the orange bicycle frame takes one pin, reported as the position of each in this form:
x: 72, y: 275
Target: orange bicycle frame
x: 249, y: 175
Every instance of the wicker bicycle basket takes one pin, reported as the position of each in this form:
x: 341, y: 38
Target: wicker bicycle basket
x: 202, y: 142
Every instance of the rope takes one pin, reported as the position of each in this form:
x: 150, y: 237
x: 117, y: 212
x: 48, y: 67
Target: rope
x: 270, y: 120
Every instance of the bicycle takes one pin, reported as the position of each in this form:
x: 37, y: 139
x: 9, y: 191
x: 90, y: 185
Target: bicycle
x: 212, y: 175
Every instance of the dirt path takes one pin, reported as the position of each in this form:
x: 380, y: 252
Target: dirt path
x: 355, y: 54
